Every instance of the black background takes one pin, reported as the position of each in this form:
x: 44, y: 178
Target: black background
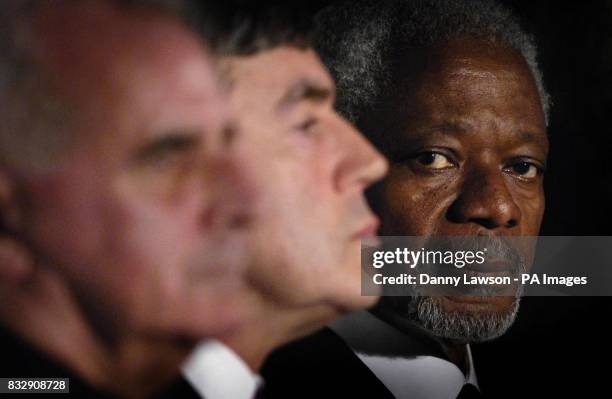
x: 575, y: 39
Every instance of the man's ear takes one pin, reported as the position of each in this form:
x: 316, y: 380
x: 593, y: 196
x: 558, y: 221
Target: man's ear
x: 16, y: 263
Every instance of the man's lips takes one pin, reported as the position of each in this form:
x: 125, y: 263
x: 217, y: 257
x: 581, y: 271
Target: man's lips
x: 477, y: 300
x: 368, y: 229
x: 497, y: 265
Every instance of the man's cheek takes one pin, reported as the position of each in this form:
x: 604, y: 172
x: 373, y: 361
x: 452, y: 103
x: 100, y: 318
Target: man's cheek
x: 532, y: 207
x: 62, y: 219
x: 156, y: 240
x: 409, y: 205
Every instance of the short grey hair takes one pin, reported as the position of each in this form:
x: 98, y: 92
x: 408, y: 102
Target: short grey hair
x: 34, y: 122
x: 356, y: 40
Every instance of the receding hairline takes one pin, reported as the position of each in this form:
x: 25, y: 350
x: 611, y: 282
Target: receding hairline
x: 37, y: 114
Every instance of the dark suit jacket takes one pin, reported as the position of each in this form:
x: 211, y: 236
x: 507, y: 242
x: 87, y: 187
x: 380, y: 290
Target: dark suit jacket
x: 558, y: 347
x: 18, y: 359
x: 319, y: 366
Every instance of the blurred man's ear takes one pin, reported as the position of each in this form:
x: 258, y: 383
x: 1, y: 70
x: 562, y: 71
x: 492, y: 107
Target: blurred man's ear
x: 16, y: 264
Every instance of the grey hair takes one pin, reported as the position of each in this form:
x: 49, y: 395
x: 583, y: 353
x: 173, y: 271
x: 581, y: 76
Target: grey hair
x: 356, y: 38
x: 34, y: 121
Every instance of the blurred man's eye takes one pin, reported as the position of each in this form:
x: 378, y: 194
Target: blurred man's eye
x: 434, y: 160
x: 162, y: 167
x: 307, y: 126
x: 166, y: 150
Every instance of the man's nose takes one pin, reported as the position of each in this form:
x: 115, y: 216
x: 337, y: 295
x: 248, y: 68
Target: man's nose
x: 485, y: 199
x: 361, y: 164
x: 231, y: 194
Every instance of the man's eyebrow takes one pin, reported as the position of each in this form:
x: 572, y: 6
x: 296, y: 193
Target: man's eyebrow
x: 532, y: 137
x: 305, y: 90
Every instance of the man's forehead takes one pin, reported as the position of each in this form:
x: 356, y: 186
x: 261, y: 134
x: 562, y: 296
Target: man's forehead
x: 462, y: 127
x: 97, y: 38
x: 483, y: 103
x: 458, y: 82
x: 484, y: 70
x: 127, y: 71
x: 463, y: 61
x: 281, y: 72
x: 466, y: 50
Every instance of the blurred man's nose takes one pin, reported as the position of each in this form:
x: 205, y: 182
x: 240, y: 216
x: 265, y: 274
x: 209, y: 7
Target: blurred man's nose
x: 361, y: 164
x: 486, y: 200
x: 231, y: 194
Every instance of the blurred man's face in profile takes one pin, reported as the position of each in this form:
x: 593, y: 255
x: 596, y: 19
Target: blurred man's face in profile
x: 313, y: 167
x: 144, y: 214
x: 467, y: 157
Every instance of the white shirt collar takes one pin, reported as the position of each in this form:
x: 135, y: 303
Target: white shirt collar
x: 470, y: 378
x: 217, y: 372
x: 419, y: 376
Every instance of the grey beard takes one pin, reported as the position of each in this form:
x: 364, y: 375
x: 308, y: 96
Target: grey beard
x: 421, y: 305
x: 460, y: 327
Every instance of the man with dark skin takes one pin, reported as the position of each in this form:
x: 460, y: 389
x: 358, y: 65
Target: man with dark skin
x: 461, y: 117
x: 470, y: 153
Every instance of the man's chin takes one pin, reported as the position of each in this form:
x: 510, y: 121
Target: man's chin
x: 465, y: 319
x: 354, y: 298
x: 360, y: 303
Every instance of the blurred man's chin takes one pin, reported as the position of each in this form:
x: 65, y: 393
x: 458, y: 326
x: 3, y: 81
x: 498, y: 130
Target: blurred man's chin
x: 352, y: 292
x: 359, y: 303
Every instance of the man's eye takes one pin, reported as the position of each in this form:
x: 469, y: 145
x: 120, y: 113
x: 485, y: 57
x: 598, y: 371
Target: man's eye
x: 526, y: 170
x: 434, y: 160
x: 307, y: 126
x: 167, y: 153
x: 166, y: 150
